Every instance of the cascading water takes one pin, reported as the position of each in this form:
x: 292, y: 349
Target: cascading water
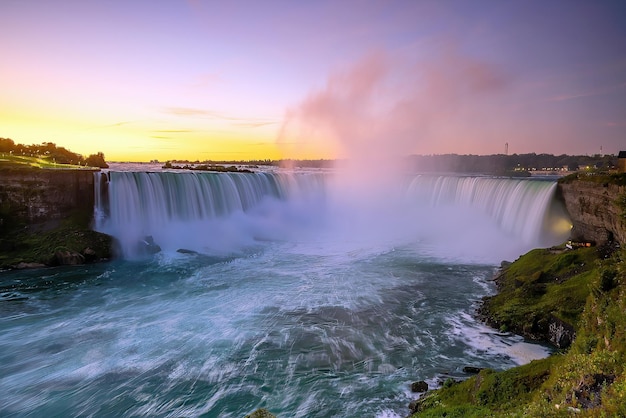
x: 526, y: 209
x: 168, y: 206
x: 297, y: 294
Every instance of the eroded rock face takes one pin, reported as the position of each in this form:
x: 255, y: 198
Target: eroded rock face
x: 45, y: 218
x: 594, y: 209
x: 35, y: 196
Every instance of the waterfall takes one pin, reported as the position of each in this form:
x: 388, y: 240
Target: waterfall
x: 522, y: 207
x: 134, y: 205
x: 213, y: 212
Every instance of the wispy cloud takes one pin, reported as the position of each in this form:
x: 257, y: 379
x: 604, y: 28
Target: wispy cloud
x: 173, y: 131
x: 192, y: 112
x: 111, y: 125
x: 117, y: 124
x: 590, y: 93
x: 253, y: 124
x: 614, y: 124
x: 210, y: 114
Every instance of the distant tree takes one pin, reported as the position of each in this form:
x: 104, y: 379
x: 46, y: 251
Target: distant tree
x: 6, y: 145
x: 96, y: 160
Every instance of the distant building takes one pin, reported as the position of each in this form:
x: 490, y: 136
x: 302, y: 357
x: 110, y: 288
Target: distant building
x: 621, y: 162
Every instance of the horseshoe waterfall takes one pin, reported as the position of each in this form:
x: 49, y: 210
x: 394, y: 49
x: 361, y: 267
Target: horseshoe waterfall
x: 286, y: 290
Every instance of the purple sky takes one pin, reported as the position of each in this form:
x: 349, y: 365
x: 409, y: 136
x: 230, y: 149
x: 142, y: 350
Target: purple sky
x: 308, y: 79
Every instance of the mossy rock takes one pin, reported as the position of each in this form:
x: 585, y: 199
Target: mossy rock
x: 261, y: 413
x: 32, y: 245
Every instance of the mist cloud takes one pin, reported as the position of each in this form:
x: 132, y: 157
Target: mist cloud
x: 387, y: 105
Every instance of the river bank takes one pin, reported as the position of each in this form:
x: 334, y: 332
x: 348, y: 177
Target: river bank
x: 572, y: 298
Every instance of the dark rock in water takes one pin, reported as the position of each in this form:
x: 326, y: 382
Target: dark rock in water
x: 148, y: 246
x: 67, y: 258
x: 417, y: 405
x: 420, y: 386
x: 472, y: 369
x: 186, y: 251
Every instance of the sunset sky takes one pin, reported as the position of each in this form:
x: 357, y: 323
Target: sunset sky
x: 147, y: 79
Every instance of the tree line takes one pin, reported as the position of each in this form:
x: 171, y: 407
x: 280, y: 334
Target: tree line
x: 51, y: 151
x: 501, y: 163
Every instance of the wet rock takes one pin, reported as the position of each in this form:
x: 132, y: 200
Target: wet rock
x: 23, y: 266
x: 186, y: 251
x: 67, y: 258
x: 472, y: 369
x: 90, y: 255
x: 148, y: 246
x: 414, y: 406
x: 419, y: 386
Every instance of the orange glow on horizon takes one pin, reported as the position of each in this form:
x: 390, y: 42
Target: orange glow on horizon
x: 133, y: 143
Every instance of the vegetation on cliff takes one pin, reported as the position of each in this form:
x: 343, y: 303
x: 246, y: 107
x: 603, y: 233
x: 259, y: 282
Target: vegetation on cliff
x: 45, y: 155
x: 541, y: 293
x: 589, y: 379
x: 618, y: 179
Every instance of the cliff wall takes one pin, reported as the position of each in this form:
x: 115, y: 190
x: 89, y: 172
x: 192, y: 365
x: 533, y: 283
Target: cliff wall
x: 36, y: 196
x: 45, y: 219
x: 596, y: 209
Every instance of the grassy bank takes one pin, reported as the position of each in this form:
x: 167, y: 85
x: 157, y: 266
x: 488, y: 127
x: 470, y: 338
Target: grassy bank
x: 543, y: 287
x: 584, y: 286
x: 25, y: 162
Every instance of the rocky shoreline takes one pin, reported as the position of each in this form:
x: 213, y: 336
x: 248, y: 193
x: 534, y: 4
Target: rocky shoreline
x: 64, y: 245
x: 570, y: 298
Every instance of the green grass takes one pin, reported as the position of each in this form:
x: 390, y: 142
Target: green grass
x: 542, y: 284
x: 21, y: 162
x: 490, y: 393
